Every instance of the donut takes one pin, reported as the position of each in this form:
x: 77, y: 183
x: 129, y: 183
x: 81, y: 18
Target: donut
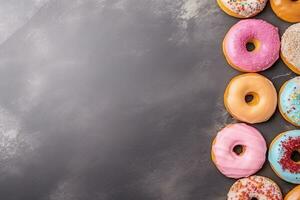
x: 287, y: 10
x: 290, y: 47
x: 259, y: 33
x: 289, y: 101
x: 294, y: 194
x: 254, y: 187
x: 255, y: 86
x: 239, y: 164
x: 242, y: 8
x: 280, y: 156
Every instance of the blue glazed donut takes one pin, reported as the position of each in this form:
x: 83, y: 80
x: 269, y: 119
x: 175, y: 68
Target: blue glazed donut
x: 289, y: 101
x: 280, y: 156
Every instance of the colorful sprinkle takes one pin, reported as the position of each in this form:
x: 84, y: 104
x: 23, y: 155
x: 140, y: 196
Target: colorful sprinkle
x: 289, y: 101
x: 246, y: 8
x: 288, y: 147
x: 254, y: 187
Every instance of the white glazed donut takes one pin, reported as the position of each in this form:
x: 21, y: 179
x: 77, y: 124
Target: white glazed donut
x: 290, y: 48
x: 242, y: 8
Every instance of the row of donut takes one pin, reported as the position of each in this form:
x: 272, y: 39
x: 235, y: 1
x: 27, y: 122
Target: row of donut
x: 261, y: 106
x: 287, y: 10
x: 267, y: 46
x: 251, y: 150
x: 239, y: 151
x: 252, y: 98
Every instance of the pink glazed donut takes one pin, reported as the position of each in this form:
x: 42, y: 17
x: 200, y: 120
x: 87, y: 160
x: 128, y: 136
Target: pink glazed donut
x: 265, y: 41
x: 252, y: 154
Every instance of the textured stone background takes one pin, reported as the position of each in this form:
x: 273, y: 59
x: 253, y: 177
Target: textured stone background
x: 116, y: 99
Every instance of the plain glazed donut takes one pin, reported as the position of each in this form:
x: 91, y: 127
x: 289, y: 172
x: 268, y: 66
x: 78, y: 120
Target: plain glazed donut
x: 264, y: 101
x: 254, y: 187
x: 287, y: 10
x: 280, y: 156
x: 289, y: 101
x: 249, y: 160
x: 294, y: 194
x: 242, y: 8
x: 262, y: 35
x: 290, y: 47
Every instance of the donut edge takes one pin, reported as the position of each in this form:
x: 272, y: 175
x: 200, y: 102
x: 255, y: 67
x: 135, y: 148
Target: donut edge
x: 270, y: 147
x: 282, y: 17
x: 289, y: 65
x: 292, y: 193
x: 233, y: 14
x: 279, y: 105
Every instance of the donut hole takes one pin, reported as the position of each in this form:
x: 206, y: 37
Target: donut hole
x: 295, y: 156
x: 254, y: 198
x: 238, y: 149
x: 252, y: 45
x: 251, y: 98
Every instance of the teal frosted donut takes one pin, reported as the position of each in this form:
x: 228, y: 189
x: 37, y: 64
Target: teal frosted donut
x: 280, y: 156
x: 289, y: 101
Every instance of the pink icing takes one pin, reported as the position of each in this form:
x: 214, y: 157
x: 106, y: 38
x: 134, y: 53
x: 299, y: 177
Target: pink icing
x: 250, y: 161
x: 245, y: 31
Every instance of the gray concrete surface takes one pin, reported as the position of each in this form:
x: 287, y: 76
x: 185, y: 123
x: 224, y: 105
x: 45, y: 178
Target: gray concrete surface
x: 116, y: 99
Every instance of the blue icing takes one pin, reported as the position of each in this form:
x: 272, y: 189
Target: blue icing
x: 275, y: 154
x: 289, y: 100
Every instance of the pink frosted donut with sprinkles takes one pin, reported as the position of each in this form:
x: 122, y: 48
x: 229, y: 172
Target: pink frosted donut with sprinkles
x: 264, y: 39
x: 242, y: 8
